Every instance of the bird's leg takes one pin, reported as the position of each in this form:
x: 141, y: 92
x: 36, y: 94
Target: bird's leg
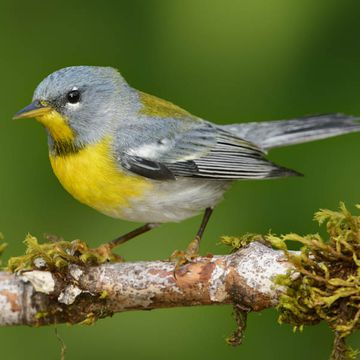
x: 105, y: 250
x: 193, y: 248
x: 192, y: 251
x: 130, y: 235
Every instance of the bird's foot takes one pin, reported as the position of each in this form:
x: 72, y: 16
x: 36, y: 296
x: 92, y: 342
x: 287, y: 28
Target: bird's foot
x: 100, y: 255
x: 181, y: 257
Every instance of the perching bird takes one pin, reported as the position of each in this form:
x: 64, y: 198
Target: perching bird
x: 134, y: 156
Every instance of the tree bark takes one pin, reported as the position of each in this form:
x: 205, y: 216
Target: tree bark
x: 81, y: 294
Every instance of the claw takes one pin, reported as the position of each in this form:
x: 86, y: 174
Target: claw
x: 181, y: 257
x: 100, y: 254
x: 192, y: 251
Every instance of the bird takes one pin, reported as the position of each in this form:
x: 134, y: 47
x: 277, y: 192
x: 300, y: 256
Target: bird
x: 136, y: 157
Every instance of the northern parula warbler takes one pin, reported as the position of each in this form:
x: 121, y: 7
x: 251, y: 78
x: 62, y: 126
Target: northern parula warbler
x: 134, y: 156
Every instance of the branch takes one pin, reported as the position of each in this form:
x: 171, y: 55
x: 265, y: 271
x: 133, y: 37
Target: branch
x: 60, y: 281
x: 84, y: 294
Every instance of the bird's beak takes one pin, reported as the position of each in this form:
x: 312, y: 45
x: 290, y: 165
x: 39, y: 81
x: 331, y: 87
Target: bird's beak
x: 35, y: 109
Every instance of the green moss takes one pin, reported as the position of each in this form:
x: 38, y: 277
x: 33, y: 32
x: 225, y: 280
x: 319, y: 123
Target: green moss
x: 41, y: 314
x: 328, y: 286
x: 104, y: 294
x: 237, y: 242
x: 90, y: 319
x: 323, y: 286
x: 325, y: 282
x: 57, y: 254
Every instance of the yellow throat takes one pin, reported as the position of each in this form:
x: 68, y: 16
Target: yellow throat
x: 91, y: 174
x: 57, y: 126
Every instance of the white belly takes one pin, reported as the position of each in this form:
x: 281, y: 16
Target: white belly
x: 173, y: 201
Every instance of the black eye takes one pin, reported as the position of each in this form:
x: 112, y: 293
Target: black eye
x: 73, y: 96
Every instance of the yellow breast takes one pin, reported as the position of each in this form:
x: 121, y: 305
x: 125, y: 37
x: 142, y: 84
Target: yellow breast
x: 92, y: 177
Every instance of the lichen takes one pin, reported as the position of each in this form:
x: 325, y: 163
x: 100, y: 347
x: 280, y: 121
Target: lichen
x: 104, y: 294
x: 90, y: 319
x: 41, y: 314
x: 240, y: 317
x: 327, y: 287
x: 57, y: 254
x: 237, y: 242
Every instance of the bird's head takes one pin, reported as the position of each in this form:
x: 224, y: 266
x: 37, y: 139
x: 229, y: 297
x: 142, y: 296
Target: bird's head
x: 79, y: 103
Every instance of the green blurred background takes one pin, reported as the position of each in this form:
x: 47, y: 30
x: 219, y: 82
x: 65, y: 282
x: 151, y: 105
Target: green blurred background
x: 226, y: 61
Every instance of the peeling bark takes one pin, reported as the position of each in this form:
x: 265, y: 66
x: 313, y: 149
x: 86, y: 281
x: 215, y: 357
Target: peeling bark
x: 81, y: 294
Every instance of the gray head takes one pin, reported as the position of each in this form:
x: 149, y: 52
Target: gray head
x: 88, y: 98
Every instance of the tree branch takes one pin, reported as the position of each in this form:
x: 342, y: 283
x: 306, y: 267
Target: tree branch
x: 85, y: 294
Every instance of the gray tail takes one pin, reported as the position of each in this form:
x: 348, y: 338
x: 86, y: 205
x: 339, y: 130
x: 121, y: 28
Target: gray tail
x: 271, y: 134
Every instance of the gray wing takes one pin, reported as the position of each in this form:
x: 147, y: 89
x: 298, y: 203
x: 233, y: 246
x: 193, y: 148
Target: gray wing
x: 168, y: 148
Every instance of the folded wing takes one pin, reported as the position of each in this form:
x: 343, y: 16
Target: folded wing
x: 200, y: 150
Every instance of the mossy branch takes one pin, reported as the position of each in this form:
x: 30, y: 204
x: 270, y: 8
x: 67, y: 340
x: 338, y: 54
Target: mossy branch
x: 74, y: 292
x: 61, y: 281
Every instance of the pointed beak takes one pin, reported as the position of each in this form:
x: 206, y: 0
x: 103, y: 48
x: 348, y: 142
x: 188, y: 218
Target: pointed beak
x: 36, y: 108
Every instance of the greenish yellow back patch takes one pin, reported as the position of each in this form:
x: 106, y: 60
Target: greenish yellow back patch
x: 92, y: 176
x: 57, y: 126
x: 155, y: 106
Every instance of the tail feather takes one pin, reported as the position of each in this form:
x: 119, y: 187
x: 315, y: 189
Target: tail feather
x: 271, y: 134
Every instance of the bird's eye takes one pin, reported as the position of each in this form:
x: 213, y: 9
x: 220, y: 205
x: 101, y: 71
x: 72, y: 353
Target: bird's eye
x: 73, y: 96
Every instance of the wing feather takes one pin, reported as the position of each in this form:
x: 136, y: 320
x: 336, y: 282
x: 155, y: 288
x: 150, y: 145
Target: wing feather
x: 202, y: 151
